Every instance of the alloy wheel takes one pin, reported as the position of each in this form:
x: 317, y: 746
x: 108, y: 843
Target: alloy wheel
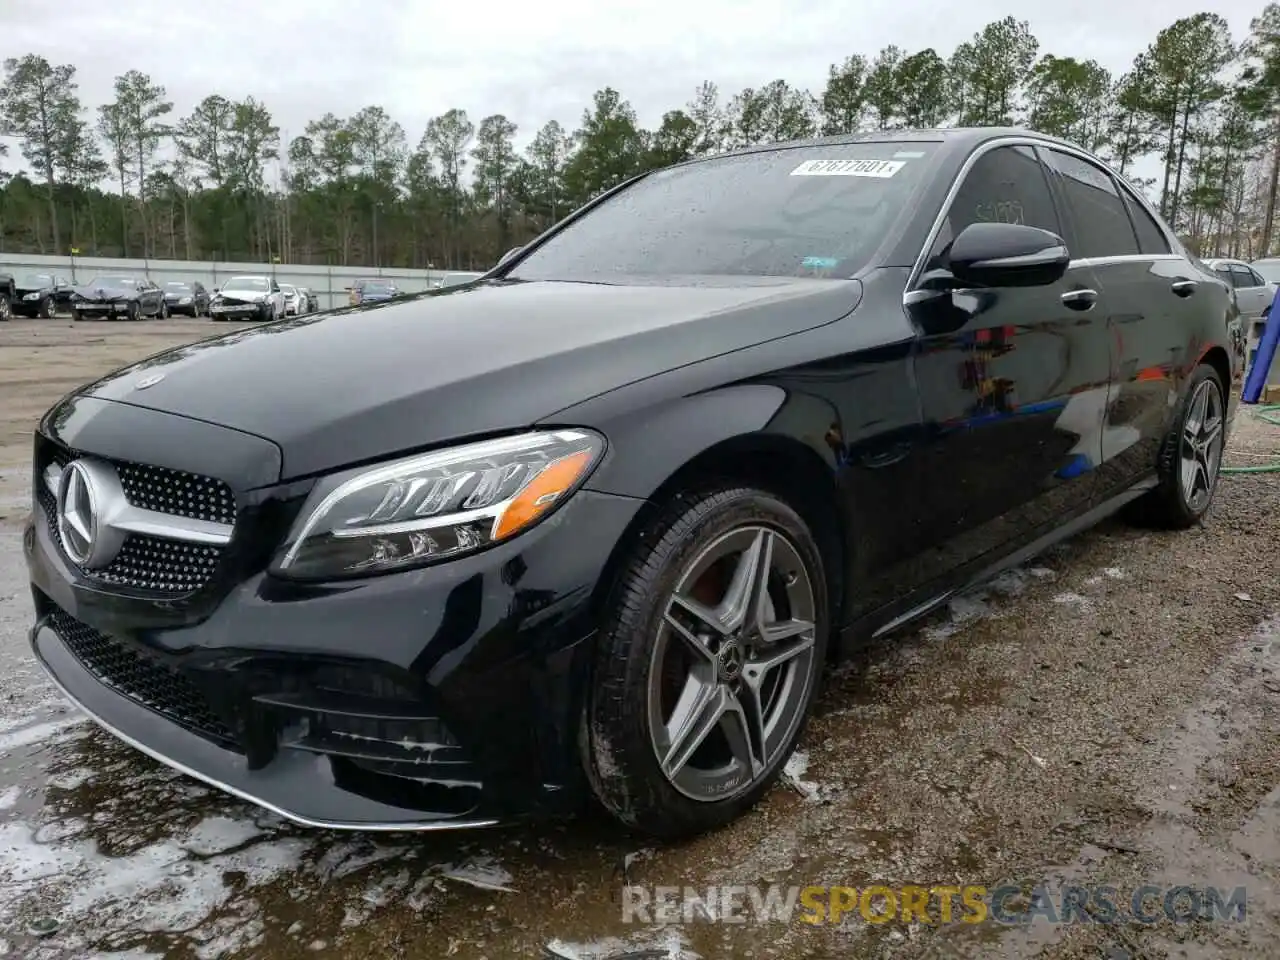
x: 1200, y: 450
x: 732, y: 664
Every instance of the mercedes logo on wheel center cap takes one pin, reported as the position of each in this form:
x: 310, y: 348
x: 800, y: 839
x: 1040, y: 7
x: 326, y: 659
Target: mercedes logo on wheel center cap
x: 83, y: 492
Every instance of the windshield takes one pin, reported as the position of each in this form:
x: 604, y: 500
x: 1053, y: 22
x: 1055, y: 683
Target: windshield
x: 375, y: 286
x: 817, y: 211
x: 177, y: 287
x: 37, y: 280
x: 112, y: 282
x: 1270, y: 269
x: 287, y: 289
x: 257, y: 284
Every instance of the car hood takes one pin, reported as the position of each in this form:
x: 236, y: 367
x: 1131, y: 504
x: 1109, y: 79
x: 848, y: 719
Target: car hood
x: 105, y: 292
x: 29, y: 288
x: 366, y: 382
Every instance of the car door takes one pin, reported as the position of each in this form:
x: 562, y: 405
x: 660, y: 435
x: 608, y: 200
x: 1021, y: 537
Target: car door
x: 1146, y: 289
x: 1253, y: 296
x: 1012, y: 381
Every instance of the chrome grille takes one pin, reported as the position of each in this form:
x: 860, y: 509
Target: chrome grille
x: 142, y: 678
x: 148, y: 563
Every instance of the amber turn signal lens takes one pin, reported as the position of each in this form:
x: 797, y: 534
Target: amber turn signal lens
x: 543, y: 492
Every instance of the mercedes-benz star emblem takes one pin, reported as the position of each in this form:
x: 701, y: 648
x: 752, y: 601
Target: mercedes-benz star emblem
x: 150, y: 381
x: 83, y: 490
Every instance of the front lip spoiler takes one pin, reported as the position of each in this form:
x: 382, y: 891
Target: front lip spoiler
x: 363, y: 826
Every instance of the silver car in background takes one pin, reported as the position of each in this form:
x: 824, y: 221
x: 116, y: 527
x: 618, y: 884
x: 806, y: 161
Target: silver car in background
x: 1254, y: 292
x: 293, y: 301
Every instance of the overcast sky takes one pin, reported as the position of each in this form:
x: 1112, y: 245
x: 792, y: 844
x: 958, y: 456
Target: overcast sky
x: 531, y: 61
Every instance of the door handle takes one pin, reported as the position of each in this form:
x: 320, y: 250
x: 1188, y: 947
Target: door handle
x: 1184, y: 288
x: 1080, y: 299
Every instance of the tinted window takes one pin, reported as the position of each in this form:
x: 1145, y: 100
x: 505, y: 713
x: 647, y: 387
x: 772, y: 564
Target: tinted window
x: 1004, y: 185
x: 1242, y: 277
x: 816, y: 211
x: 1101, y: 223
x: 1151, y: 238
x: 37, y: 280
x: 1225, y: 276
x: 1257, y: 281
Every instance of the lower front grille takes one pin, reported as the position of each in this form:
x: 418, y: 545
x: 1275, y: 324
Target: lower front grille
x: 142, y: 678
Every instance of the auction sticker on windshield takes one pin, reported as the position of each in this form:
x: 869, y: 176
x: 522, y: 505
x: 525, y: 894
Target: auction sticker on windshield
x: 848, y: 168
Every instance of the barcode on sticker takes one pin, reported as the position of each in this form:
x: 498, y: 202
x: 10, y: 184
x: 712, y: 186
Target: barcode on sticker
x: 848, y: 168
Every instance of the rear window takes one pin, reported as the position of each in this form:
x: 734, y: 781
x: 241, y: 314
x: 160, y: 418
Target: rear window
x: 801, y: 211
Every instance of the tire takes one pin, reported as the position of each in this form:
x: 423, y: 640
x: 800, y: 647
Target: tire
x: 639, y: 656
x: 76, y: 316
x: 133, y: 313
x: 5, y: 310
x: 45, y: 311
x: 163, y: 312
x: 1173, y: 505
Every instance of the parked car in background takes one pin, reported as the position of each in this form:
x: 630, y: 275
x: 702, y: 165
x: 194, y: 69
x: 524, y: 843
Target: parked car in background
x: 41, y: 294
x: 598, y: 522
x: 248, y: 298
x: 372, y: 291
x: 1253, y: 291
x: 8, y: 289
x: 293, y: 302
x: 117, y: 298
x: 187, y: 299
x: 311, y: 303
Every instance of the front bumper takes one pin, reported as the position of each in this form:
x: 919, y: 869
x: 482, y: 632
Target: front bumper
x: 110, y: 309
x: 495, y: 649
x: 240, y: 311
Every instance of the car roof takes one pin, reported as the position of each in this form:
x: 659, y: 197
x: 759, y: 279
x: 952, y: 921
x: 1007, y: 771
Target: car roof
x: 953, y: 139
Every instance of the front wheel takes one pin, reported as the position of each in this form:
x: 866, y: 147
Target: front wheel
x: 163, y: 312
x: 1190, y: 457
x: 46, y: 310
x: 708, y: 662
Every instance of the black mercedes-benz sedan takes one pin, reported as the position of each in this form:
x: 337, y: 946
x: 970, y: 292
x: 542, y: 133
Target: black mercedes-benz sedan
x: 594, y: 524
x: 190, y: 299
x: 41, y: 295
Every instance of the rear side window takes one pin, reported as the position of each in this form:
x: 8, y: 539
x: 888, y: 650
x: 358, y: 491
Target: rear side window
x: 1242, y: 277
x: 1098, y: 215
x: 1225, y: 276
x: 1151, y: 238
x: 1004, y: 185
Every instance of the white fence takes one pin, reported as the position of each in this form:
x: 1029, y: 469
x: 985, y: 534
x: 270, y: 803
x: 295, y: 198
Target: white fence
x: 327, y: 283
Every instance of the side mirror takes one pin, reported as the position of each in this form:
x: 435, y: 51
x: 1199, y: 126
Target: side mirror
x: 1007, y: 255
x: 509, y: 254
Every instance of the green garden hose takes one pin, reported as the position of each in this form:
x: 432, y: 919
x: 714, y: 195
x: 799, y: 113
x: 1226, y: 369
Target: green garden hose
x: 1265, y: 412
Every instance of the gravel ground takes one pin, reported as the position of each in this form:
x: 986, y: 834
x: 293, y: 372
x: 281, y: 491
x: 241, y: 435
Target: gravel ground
x: 1109, y: 714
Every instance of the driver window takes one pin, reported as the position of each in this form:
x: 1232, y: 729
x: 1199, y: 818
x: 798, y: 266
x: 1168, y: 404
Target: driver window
x: 1004, y: 185
x: 1241, y: 277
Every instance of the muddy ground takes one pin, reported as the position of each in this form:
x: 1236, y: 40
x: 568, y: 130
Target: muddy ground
x: 1109, y: 714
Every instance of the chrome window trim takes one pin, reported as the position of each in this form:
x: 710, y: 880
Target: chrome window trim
x: 1034, y: 142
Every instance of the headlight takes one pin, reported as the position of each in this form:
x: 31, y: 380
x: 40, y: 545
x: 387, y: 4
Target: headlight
x: 184, y: 301
x: 32, y: 296
x: 435, y: 506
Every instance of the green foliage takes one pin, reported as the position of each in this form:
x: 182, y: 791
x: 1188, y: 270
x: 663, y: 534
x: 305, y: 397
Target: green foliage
x: 224, y: 182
